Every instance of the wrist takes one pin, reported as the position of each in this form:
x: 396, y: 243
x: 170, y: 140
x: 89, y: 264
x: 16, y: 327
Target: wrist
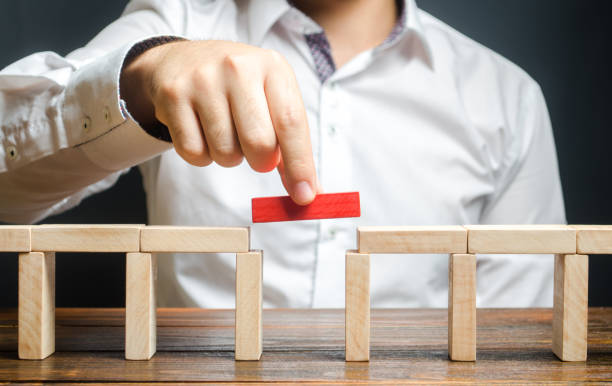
x: 135, y: 83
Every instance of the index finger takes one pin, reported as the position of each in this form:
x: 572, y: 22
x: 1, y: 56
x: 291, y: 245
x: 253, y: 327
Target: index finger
x: 291, y: 127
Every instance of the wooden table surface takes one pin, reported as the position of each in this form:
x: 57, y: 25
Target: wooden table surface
x: 408, y: 345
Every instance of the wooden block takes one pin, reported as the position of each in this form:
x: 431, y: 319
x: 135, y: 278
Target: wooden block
x: 462, y: 307
x: 36, y: 312
x: 140, y: 319
x: 521, y: 239
x: 249, y: 323
x: 357, y: 308
x: 570, y: 309
x: 593, y: 239
x: 412, y: 239
x: 86, y: 238
x: 15, y: 238
x: 325, y: 205
x: 194, y: 239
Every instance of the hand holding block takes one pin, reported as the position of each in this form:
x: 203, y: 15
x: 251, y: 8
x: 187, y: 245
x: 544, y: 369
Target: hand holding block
x: 282, y: 208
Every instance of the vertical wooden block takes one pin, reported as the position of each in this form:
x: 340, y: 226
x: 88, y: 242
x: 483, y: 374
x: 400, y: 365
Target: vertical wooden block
x: 462, y: 307
x: 570, y: 309
x: 357, y: 309
x: 36, y: 312
x: 140, y: 319
x: 249, y: 273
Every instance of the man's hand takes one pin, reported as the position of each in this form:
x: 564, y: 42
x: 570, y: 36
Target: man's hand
x: 223, y: 101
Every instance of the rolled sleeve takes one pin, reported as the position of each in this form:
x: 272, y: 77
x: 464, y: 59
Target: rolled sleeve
x: 97, y: 121
x: 65, y: 133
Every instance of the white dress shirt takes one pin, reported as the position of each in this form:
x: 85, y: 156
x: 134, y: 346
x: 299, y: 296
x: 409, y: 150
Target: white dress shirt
x: 431, y: 128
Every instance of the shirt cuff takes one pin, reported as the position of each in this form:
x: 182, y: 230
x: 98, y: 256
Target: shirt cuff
x: 97, y: 121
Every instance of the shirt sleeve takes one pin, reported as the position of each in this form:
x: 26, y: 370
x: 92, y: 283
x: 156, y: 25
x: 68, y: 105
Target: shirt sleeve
x: 529, y: 189
x: 528, y: 192
x: 65, y: 132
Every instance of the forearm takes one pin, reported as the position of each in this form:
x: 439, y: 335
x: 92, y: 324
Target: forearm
x: 65, y: 130
x: 61, y: 140
x: 50, y: 185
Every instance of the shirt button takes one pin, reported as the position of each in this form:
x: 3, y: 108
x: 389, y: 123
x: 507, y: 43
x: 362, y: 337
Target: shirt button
x: 86, y: 124
x: 11, y: 152
x: 107, y: 115
x: 332, y: 233
x: 332, y: 94
x: 332, y: 130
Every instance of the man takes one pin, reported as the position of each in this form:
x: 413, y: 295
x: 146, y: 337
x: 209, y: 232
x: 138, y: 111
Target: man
x: 374, y: 96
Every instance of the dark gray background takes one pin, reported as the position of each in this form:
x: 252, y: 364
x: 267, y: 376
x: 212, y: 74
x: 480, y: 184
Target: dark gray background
x: 564, y: 45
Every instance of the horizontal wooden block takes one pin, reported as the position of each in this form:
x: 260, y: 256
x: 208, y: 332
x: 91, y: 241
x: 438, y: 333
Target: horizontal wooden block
x: 329, y: 205
x: 86, y: 238
x: 521, y: 239
x: 593, y: 239
x: 412, y: 239
x: 15, y: 238
x: 194, y: 239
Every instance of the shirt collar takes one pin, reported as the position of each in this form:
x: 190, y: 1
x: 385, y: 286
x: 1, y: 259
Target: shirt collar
x: 410, y: 25
x: 264, y: 14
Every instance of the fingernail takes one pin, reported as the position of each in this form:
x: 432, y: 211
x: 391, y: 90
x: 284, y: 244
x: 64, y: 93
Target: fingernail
x: 302, y: 193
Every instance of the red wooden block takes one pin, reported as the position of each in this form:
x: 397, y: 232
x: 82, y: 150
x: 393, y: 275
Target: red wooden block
x: 325, y: 205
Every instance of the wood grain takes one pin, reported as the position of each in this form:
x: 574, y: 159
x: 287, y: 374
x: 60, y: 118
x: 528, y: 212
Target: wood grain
x: 570, y: 318
x: 593, y: 239
x: 523, y: 239
x: 462, y: 307
x: 407, y: 346
x: 15, y: 238
x: 194, y: 239
x: 412, y: 239
x: 140, y: 322
x: 36, y: 305
x: 86, y: 238
x: 249, y: 286
x: 357, y: 308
